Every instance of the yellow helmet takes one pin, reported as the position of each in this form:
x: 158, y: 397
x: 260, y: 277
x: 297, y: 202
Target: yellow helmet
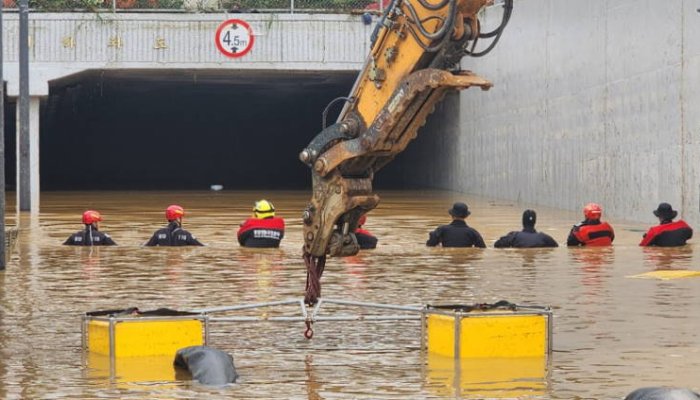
x: 263, y: 209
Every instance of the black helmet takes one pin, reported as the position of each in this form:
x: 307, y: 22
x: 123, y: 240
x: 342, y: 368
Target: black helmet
x: 529, y: 218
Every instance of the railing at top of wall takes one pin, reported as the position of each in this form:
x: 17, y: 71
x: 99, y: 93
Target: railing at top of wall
x: 232, y: 6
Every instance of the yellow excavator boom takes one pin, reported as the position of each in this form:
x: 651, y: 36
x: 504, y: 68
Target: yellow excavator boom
x: 414, y: 61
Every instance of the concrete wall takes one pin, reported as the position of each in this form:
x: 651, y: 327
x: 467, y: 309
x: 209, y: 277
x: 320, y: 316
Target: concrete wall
x: 68, y: 43
x: 594, y: 100
x: 426, y: 160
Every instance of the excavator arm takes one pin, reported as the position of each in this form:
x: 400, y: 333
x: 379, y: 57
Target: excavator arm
x: 414, y: 61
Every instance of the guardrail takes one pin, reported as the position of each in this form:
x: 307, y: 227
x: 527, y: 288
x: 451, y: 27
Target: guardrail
x: 231, y: 6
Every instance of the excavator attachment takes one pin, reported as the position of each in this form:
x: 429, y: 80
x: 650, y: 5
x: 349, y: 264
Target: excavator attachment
x: 414, y: 61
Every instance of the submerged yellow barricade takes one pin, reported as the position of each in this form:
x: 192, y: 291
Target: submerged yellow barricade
x: 129, y: 333
x: 667, y: 274
x: 489, y: 330
x: 495, y: 351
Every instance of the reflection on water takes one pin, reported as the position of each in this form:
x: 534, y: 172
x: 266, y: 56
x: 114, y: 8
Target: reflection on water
x: 611, y: 333
x: 501, y: 378
x: 659, y: 258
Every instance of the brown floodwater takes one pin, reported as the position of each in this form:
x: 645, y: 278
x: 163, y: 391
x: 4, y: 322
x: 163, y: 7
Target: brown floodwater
x: 612, y: 333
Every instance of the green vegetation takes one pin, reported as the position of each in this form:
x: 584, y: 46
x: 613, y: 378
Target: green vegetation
x: 63, y: 5
x: 261, y: 5
x: 242, y: 6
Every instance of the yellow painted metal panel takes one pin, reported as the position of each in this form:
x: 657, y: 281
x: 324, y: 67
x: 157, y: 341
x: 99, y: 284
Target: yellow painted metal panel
x: 441, y: 334
x: 151, y: 338
x: 667, y: 274
x: 492, y: 378
x: 134, y: 338
x: 98, y: 337
x: 504, y: 336
x: 495, y: 335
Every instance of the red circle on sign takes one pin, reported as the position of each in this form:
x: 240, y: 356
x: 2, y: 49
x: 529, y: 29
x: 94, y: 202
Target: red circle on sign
x: 232, y: 52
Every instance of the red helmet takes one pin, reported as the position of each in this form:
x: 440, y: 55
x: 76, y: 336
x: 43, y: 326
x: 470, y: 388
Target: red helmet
x: 592, y: 211
x: 91, y: 216
x: 362, y: 220
x: 174, y: 212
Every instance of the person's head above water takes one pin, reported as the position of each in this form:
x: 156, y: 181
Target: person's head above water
x: 362, y: 220
x: 174, y: 213
x: 529, y: 218
x: 263, y: 209
x: 665, y: 212
x: 91, y: 217
x: 592, y: 211
x: 459, y: 210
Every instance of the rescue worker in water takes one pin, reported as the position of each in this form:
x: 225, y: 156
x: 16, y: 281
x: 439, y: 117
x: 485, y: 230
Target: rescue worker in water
x: 528, y: 237
x: 264, y: 229
x: 457, y: 233
x: 667, y: 233
x: 591, y: 231
x: 364, y: 238
x: 173, y: 234
x: 90, y: 236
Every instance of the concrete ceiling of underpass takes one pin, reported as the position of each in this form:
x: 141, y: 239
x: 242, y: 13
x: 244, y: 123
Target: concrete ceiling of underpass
x: 276, y: 80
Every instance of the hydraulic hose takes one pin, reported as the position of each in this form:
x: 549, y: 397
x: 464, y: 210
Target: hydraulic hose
x: 507, y: 11
x: 440, y: 33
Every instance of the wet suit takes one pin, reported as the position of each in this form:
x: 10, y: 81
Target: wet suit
x: 91, y: 236
x: 456, y: 234
x: 528, y: 237
x: 591, y: 232
x: 265, y: 232
x: 365, y: 239
x: 668, y: 234
x: 173, y: 235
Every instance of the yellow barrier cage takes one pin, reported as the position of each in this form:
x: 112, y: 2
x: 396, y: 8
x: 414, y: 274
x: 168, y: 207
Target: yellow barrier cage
x: 494, y: 351
x: 131, y: 333
x: 489, y: 330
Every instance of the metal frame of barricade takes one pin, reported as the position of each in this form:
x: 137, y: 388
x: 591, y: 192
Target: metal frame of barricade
x: 420, y: 314
x: 307, y: 314
x: 313, y: 313
x: 310, y: 314
x: 112, y: 322
x: 522, y: 310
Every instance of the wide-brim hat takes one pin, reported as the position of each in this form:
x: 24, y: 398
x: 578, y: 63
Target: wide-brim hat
x: 664, y: 210
x: 459, y: 210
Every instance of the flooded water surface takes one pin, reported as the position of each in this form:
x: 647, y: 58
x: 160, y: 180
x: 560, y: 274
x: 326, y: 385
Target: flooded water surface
x: 612, y: 333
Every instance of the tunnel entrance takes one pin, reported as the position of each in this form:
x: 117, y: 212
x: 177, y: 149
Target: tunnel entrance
x: 148, y: 130
x: 166, y: 130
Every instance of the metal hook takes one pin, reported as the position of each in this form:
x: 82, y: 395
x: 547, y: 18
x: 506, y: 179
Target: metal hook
x: 308, y: 333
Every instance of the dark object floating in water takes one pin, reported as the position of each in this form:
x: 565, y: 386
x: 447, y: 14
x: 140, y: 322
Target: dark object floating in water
x: 207, y: 365
x: 662, y: 393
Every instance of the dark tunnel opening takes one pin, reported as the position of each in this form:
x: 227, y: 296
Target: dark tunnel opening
x: 242, y: 130
x: 142, y: 130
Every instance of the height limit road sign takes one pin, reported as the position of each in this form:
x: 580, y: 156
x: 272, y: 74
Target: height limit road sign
x: 234, y: 38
